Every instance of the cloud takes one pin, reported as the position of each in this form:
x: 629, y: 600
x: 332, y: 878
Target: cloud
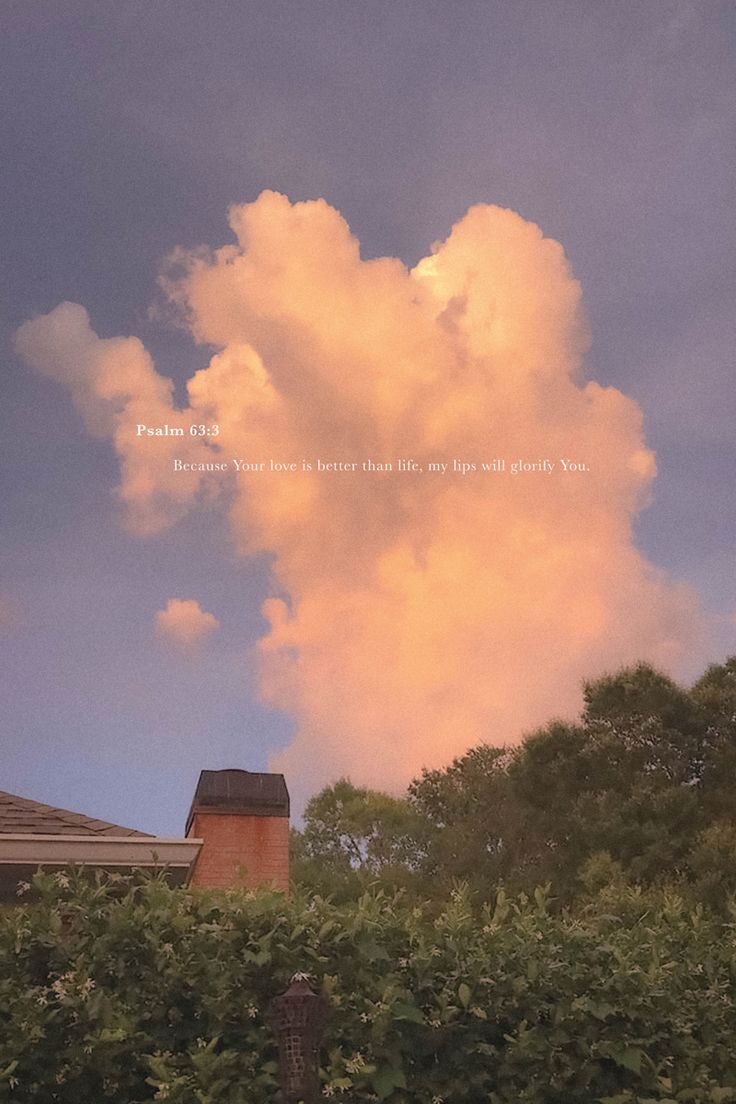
x: 184, y: 622
x: 115, y: 388
x: 413, y: 614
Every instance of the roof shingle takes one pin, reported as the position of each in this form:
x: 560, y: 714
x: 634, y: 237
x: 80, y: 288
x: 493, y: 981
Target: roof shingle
x: 20, y: 814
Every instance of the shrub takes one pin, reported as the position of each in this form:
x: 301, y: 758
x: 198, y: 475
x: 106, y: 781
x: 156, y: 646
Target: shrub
x: 144, y: 993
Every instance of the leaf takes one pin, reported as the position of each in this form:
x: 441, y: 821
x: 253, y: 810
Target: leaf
x: 628, y: 1057
x: 600, y: 1009
x: 502, y: 909
x: 402, y: 1010
x: 372, y: 951
x: 464, y: 994
x: 113, y: 1035
x: 10, y: 1069
x: 387, y: 1079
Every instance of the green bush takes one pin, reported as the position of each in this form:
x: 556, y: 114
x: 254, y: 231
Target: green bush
x: 145, y: 993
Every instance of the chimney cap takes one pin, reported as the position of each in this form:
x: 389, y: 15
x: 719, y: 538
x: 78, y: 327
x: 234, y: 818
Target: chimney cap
x: 247, y: 793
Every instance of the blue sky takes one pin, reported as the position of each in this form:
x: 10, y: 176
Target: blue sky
x: 129, y: 129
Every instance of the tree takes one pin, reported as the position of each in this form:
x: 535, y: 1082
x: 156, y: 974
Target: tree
x: 626, y: 781
x: 476, y: 829
x: 353, y: 837
x: 645, y: 778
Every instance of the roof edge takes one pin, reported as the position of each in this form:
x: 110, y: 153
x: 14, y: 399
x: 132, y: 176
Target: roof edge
x: 23, y: 848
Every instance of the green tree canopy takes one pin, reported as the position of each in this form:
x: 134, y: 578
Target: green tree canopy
x: 353, y: 837
x: 646, y: 777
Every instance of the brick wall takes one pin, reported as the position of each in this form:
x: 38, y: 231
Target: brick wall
x: 232, y: 840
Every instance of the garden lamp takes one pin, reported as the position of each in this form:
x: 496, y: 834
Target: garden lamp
x: 298, y: 1017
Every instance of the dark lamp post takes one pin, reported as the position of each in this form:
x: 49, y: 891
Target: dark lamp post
x: 298, y: 1017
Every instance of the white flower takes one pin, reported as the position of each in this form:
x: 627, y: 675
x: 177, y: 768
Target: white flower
x: 23, y: 888
x: 356, y: 1063
x: 86, y: 988
x: 58, y: 986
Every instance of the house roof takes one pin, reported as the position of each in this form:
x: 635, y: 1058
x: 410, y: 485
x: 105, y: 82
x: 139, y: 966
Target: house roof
x: 20, y: 815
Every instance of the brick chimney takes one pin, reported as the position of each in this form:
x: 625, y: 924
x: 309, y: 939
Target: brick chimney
x: 243, y: 818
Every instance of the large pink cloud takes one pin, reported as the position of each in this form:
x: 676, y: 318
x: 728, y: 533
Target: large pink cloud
x: 426, y: 611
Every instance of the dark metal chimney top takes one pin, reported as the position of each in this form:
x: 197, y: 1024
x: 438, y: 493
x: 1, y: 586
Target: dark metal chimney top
x: 240, y: 792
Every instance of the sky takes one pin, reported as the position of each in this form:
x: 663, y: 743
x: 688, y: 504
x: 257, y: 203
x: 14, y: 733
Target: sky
x: 427, y: 231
